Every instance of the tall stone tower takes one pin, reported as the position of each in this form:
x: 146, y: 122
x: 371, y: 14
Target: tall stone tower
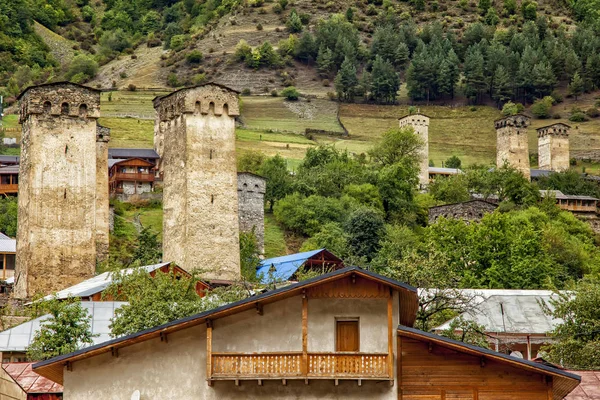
x: 420, y: 124
x: 200, y: 201
x: 251, y: 205
x: 553, y: 147
x: 512, y: 145
x: 58, y: 219
x: 102, y: 193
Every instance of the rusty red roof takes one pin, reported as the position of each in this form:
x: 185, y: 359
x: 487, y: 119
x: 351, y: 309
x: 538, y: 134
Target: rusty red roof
x: 30, y: 381
x: 588, y: 389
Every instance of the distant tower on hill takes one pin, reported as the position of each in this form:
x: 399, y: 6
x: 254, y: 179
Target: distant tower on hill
x: 420, y: 124
x: 553, y: 147
x: 512, y: 145
x: 195, y: 133
x: 60, y: 212
x: 251, y: 203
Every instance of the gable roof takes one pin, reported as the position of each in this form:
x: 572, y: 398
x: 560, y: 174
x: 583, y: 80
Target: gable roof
x: 286, y: 266
x: 514, y: 313
x: 54, y: 367
x: 18, y: 338
x: 62, y: 83
x: 30, y: 381
x: 13, y: 160
x: 440, y: 170
x: 158, y: 98
x: 588, y: 389
x: 98, y: 283
x: 7, y: 244
x: 563, y: 382
x: 112, y: 161
x: 449, y: 205
x: 132, y: 153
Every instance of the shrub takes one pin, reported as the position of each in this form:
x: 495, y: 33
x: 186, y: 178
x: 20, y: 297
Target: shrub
x: 83, y: 65
x: 592, y: 112
x: 557, y: 96
x: 283, y: 3
x: 290, y: 93
x: 131, y: 87
x: 578, y: 117
x: 172, y: 80
x: 541, y: 107
x: 304, y: 18
x: 246, y: 92
x: 556, y: 116
x: 597, y: 103
x: 199, y: 79
x: 274, y: 93
x: 194, y: 57
x: 277, y: 9
x: 326, y: 82
x: 259, y: 27
x: 123, y: 75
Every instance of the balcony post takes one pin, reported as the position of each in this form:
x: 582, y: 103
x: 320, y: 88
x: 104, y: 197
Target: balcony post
x: 304, y: 366
x: 390, y: 314
x: 209, y: 328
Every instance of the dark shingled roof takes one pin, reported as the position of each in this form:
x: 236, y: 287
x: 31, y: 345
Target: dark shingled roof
x: 57, y: 84
x: 132, y: 153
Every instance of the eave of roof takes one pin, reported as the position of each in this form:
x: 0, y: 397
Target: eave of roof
x: 417, y: 113
x: 511, y: 116
x: 56, y: 84
x: 570, y: 380
x: 122, y: 160
x: 53, y: 368
x: 466, y: 202
x: 549, y: 126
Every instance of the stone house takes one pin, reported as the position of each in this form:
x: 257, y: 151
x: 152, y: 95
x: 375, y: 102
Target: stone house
x: 251, y: 205
x: 9, y: 180
x: 8, y: 251
x: 342, y: 335
x: 472, y: 210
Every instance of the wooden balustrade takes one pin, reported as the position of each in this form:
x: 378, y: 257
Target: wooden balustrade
x: 348, y: 365
x: 133, y: 176
x: 289, y: 365
x: 266, y: 365
x: 9, y: 188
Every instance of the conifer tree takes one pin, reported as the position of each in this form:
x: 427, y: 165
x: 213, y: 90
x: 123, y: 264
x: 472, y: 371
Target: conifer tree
x: 576, y: 85
x: 325, y: 62
x: 346, y: 80
x: 474, y: 77
x: 385, y: 82
x: 502, y: 90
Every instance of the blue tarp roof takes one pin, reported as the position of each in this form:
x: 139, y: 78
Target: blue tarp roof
x: 285, y: 266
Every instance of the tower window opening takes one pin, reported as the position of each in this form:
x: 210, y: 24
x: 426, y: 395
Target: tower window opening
x: 83, y: 110
x: 47, y: 107
x: 64, y: 108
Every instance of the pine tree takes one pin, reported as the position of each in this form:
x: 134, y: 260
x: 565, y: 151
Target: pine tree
x: 385, y: 82
x: 484, y: 5
x: 474, y: 77
x: 306, y: 49
x: 502, y: 89
x: 576, y: 85
x: 592, y: 71
x: 294, y: 23
x: 445, y: 79
x: 346, y: 81
x: 544, y: 80
x: 572, y: 64
x: 325, y: 61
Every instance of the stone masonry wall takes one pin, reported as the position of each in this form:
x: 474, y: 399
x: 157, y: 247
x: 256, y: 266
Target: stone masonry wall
x: 468, y: 211
x: 420, y: 124
x: 251, y: 205
x: 200, y: 223
x: 512, y: 145
x: 102, y: 193
x: 553, y: 147
x: 56, y: 238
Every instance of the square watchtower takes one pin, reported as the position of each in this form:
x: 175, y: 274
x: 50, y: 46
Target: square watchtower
x: 553, y: 147
x: 512, y: 144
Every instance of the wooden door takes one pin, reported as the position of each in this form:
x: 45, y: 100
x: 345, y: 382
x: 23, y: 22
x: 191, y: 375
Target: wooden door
x: 346, y: 336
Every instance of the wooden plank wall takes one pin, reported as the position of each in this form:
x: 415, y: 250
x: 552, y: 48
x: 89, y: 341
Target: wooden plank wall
x: 436, y: 373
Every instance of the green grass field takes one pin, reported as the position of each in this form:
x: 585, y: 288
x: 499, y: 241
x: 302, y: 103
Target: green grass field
x: 126, y: 102
x: 274, y: 238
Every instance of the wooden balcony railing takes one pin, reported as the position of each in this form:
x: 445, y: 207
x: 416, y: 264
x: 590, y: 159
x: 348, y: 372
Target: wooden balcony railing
x: 290, y: 365
x: 132, y: 176
x: 9, y: 188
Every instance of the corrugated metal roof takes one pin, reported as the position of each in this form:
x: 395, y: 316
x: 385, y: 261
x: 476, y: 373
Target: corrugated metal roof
x: 19, y: 337
x: 588, y: 389
x: 29, y: 381
x: 113, y: 161
x: 97, y: 284
x: 510, y: 311
x: 9, y: 159
x: 7, y: 245
x: 132, y: 153
x: 557, y: 194
x: 285, y: 266
x: 538, y: 173
x: 438, y: 170
x: 9, y: 170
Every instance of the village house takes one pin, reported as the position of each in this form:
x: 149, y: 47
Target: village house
x: 131, y: 176
x: 580, y: 205
x: 9, y: 180
x: 342, y: 335
x: 437, y: 172
x: 9, y: 160
x: 515, y: 321
x: 125, y: 154
x: 8, y: 251
x: 284, y: 268
x: 19, y: 382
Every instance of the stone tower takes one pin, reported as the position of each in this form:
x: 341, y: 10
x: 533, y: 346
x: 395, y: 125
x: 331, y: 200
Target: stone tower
x: 58, y: 219
x: 420, y: 124
x: 553, y: 147
x: 102, y: 193
x: 251, y: 205
x: 512, y: 145
x: 200, y: 223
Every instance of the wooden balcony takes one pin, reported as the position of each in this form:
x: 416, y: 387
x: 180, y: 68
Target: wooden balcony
x: 9, y: 188
x: 132, y: 176
x: 293, y: 365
